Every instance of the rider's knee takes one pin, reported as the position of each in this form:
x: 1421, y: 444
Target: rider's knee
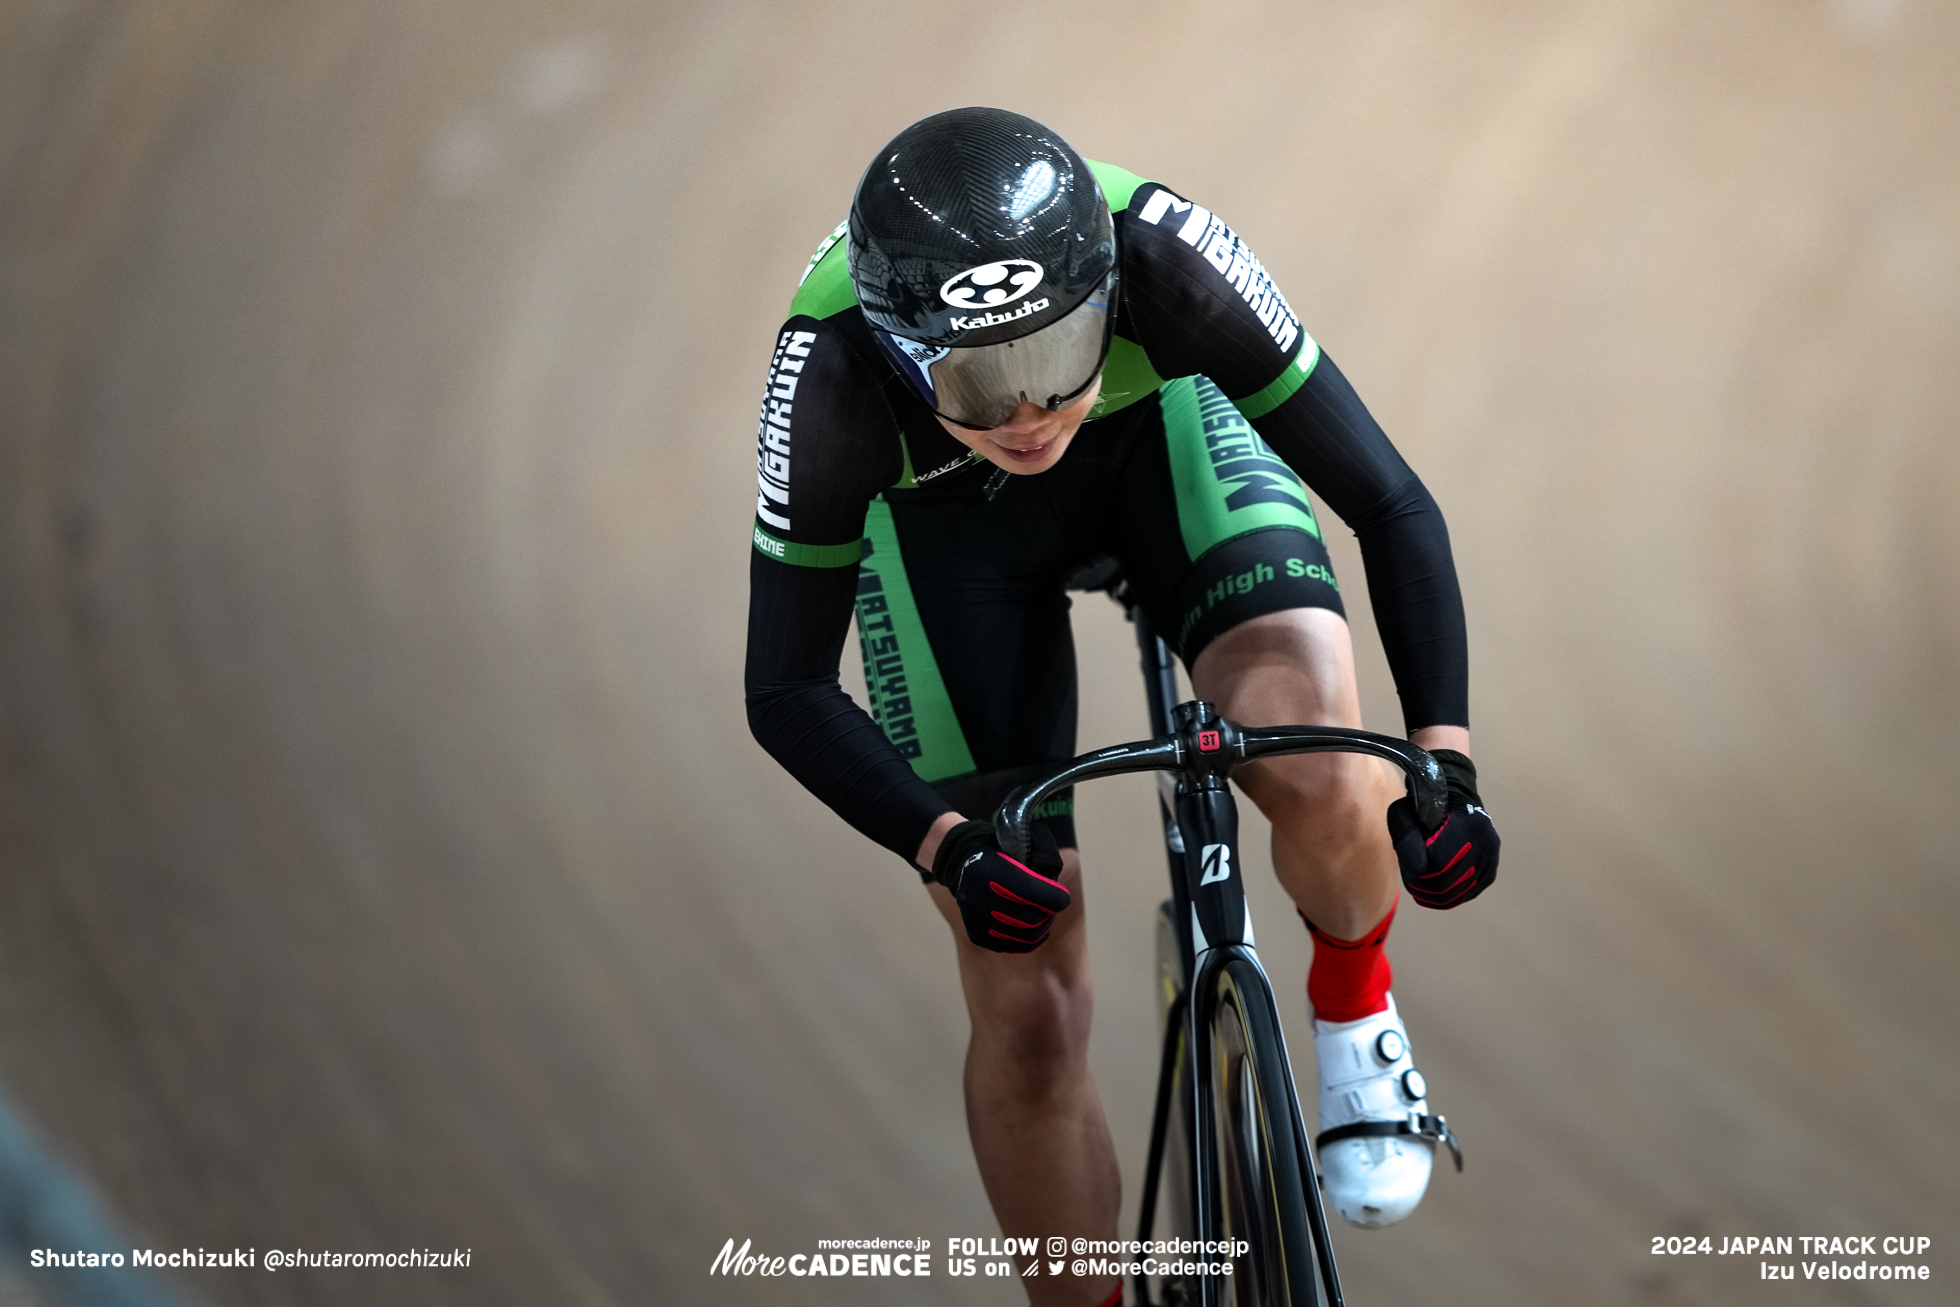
x: 1038, y: 1024
x: 1329, y: 801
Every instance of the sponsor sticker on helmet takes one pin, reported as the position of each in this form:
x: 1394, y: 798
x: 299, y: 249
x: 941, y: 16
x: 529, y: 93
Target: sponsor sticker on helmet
x: 991, y: 284
x: 919, y: 352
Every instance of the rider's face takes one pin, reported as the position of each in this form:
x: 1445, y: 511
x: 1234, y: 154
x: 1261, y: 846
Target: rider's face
x: 1032, y: 439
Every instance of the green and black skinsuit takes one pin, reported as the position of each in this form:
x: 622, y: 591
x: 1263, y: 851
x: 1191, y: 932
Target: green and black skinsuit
x: 1215, y: 406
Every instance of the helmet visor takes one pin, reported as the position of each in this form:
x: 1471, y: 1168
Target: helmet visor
x: 980, y: 386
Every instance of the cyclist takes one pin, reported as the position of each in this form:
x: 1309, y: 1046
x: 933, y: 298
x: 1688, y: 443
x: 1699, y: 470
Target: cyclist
x: 1007, y: 363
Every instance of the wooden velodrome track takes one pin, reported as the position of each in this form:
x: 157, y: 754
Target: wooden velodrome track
x: 386, y: 859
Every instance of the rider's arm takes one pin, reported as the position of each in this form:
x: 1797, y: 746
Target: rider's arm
x: 1433, y: 738
x: 929, y: 846
x: 1198, y: 301
x: 826, y: 446
x: 1324, y: 433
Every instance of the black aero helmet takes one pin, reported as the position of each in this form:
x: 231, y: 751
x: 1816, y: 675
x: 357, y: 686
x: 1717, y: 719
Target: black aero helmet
x: 971, y: 231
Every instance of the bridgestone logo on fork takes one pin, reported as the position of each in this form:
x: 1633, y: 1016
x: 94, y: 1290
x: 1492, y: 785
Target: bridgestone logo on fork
x: 1217, y: 862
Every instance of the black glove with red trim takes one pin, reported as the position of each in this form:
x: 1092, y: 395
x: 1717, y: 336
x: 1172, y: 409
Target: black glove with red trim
x: 1459, y: 861
x: 1007, y: 905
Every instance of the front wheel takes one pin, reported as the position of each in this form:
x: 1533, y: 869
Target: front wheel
x: 1176, y: 1217
x: 1261, y: 1197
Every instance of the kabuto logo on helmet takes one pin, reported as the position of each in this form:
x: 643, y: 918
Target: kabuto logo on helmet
x: 991, y: 284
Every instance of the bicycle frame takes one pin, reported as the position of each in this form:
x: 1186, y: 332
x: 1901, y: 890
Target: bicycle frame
x: 1214, y: 926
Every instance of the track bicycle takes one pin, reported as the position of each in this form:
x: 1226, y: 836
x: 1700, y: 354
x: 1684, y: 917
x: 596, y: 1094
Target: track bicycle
x: 1229, y: 1156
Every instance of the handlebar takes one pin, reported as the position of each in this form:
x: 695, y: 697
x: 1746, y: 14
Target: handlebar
x: 1204, y: 744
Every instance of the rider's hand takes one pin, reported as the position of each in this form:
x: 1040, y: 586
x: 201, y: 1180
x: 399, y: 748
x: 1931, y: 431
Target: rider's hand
x: 1459, y: 861
x: 1007, y: 905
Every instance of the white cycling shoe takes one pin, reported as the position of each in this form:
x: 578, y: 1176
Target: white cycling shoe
x: 1377, y: 1139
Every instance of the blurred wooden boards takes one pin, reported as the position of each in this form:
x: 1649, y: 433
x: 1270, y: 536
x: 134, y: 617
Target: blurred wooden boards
x: 385, y: 857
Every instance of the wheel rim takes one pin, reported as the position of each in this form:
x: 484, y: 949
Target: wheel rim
x: 1175, y: 1217
x: 1259, y: 1276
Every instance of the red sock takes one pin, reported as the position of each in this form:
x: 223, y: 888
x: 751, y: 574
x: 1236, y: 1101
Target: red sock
x: 1349, y: 978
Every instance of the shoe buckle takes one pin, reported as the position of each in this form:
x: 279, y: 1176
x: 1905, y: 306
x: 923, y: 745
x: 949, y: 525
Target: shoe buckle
x: 1437, y: 1128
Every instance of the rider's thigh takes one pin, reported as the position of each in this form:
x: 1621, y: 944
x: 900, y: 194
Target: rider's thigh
x: 1037, y: 1004
x: 1296, y: 667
